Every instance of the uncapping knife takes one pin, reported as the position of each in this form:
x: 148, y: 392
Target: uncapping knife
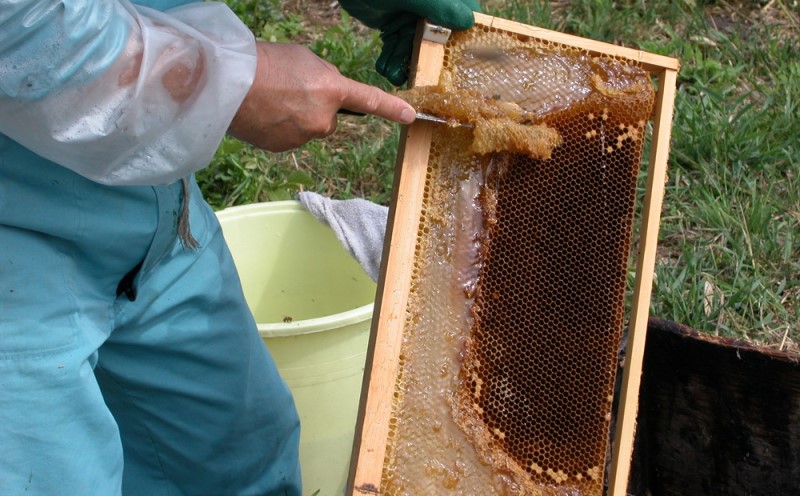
x: 442, y: 120
x: 420, y: 115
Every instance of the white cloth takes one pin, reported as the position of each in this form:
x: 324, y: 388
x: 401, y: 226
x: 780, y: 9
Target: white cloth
x: 359, y: 225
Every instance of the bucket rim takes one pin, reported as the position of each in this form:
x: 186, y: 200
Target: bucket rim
x: 319, y: 324
x: 270, y: 206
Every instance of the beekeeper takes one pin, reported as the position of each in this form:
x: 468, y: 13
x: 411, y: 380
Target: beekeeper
x: 129, y: 361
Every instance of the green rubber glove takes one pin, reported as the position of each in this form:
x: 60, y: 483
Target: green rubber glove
x: 397, y: 21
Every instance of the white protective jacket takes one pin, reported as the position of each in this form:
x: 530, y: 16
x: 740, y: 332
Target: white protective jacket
x: 122, y: 93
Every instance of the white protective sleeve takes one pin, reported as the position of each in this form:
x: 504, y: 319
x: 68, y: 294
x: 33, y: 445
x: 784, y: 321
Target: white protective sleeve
x: 122, y: 94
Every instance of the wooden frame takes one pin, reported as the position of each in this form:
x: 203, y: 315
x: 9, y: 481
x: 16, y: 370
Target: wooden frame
x: 387, y: 327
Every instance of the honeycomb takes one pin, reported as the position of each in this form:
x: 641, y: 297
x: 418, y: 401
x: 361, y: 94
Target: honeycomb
x: 498, y: 126
x: 516, y: 304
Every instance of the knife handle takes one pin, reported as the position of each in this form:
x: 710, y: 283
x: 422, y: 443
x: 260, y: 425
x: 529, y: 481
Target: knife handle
x: 345, y: 111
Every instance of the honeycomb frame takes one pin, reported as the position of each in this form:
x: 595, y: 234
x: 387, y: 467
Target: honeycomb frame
x: 385, y: 353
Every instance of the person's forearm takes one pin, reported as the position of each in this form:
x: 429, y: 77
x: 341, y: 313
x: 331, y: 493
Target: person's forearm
x: 122, y: 94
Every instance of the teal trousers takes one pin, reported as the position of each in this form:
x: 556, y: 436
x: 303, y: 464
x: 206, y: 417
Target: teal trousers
x: 128, y: 363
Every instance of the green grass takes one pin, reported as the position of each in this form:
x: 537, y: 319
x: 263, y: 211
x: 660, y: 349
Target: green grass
x: 729, y: 255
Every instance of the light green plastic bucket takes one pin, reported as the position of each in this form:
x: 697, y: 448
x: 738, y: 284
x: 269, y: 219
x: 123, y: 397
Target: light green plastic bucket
x: 313, y: 305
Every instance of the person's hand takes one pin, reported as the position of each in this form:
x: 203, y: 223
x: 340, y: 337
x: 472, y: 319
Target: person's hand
x: 397, y: 21
x: 295, y: 97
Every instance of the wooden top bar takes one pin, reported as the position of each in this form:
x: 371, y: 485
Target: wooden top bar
x: 649, y: 61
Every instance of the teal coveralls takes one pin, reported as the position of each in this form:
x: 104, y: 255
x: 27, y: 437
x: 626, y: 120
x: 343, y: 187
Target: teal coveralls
x: 129, y: 362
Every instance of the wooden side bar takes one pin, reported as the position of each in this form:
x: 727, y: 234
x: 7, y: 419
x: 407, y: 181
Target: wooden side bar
x: 390, y: 306
x: 645, y: 266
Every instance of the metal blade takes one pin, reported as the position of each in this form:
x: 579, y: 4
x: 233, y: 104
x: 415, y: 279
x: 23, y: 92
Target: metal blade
x: 440, y: 120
